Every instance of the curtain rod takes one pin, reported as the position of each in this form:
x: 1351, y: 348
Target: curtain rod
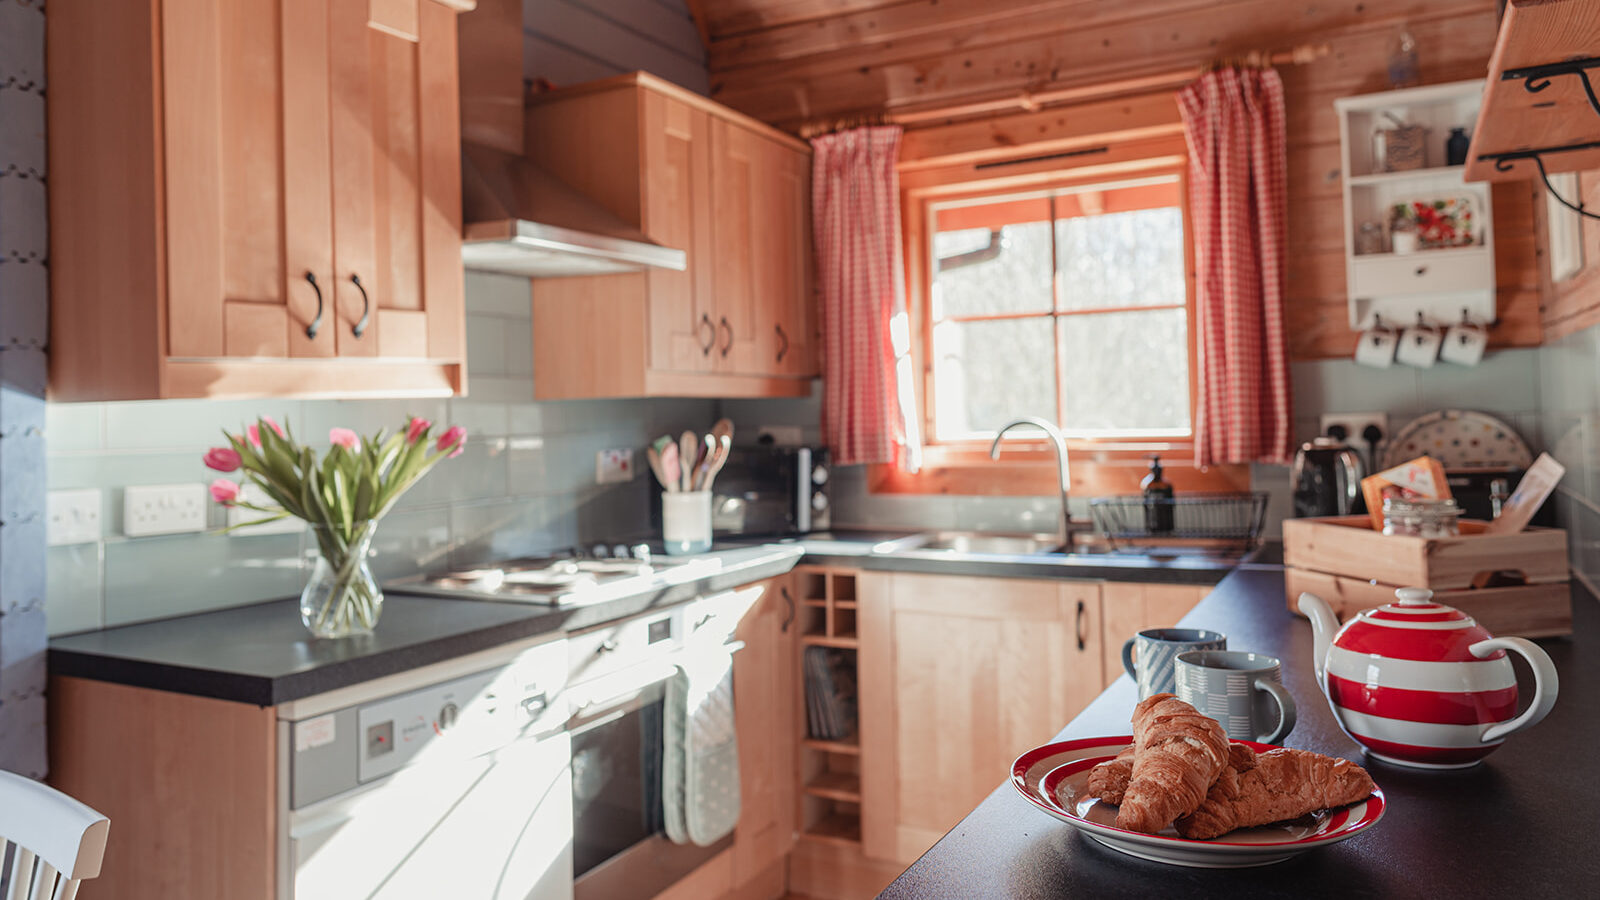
x: 1031, y: 101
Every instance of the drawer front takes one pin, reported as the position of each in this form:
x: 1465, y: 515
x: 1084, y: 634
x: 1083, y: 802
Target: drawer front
x: 1419, y: 273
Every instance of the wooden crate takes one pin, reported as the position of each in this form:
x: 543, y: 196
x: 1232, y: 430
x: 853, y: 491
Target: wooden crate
x: 1345, y: 562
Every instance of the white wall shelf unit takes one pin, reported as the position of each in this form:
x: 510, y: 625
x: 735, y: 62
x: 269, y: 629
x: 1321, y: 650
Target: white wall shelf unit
x: 1436, y: 283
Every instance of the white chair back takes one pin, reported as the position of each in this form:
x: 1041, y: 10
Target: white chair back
x: 52, y: 841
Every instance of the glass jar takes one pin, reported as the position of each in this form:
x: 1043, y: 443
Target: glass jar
x: 1369, y: 239
x: 1421, y: 518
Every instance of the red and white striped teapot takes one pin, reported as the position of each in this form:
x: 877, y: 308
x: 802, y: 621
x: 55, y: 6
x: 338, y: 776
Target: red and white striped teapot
x: 1422, y: 684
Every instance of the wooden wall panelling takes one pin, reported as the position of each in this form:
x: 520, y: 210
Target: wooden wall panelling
x: 396, y: 17
x: 189, y: 784
x: 1049, y: 131
x: 105, y: 238
x: 1575, y: 303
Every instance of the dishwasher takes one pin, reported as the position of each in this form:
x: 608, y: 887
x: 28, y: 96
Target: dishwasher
x: 452, y: 781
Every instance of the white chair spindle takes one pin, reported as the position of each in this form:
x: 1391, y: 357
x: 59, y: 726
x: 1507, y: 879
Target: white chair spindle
x: 44, y: 881
x: 21, y: 873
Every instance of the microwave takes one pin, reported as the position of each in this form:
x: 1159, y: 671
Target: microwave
x: 767, y: 491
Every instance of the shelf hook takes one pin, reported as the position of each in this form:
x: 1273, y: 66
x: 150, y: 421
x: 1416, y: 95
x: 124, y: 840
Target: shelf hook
x: 1537, y: 78
x: 1539, y: 161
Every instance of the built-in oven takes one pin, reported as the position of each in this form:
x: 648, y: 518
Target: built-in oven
x: 616, y: 699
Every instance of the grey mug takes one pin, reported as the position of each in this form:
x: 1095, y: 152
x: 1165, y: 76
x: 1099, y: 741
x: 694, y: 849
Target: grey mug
x: 1243, y: 691
x: 1148, y: 655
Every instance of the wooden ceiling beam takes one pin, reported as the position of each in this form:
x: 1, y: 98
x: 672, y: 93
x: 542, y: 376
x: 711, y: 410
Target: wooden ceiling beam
x: 814, y: 89
x: 729, y: 18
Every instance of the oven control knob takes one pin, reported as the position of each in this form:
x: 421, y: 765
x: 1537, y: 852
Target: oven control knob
x: 819, y: 502
x: 448, y: 715
x: 819, y: 475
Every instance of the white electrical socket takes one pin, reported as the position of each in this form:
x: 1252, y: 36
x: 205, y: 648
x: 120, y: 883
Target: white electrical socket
x: 163, y: 509
x: 252, y: 494
x: 1354, y: 424
x: 74, y: 517
x: 612, y: 466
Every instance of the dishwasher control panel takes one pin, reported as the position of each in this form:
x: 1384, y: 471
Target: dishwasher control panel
x: 461, y: 718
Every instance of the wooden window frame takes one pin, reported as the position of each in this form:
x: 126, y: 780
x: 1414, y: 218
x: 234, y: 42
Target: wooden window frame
x: 1099, y: 466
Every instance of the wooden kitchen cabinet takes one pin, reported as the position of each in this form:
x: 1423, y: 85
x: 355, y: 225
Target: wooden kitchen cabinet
x: 764, y: 675
x: 1130, y: 608
x: 957, y: 677
x: 254, y: 199
x: 730, y: 192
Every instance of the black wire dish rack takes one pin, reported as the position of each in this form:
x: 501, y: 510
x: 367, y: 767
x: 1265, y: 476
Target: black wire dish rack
x: 1224, y: 521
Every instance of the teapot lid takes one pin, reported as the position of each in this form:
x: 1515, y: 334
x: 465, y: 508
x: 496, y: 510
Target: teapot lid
x: 1415, y: 627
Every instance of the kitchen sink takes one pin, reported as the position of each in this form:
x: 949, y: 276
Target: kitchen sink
x: 983, y: 542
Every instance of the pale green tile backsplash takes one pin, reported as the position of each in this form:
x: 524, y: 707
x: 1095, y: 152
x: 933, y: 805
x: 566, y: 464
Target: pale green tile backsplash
x: 525, y: 484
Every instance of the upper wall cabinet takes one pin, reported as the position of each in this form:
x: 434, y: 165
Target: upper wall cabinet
x: 733, y: 194
x: 254, y: 198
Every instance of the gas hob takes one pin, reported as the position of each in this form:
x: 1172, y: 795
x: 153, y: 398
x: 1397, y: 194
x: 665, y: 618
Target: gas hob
x: 551, y: 581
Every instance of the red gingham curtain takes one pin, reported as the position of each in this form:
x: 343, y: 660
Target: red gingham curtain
x: 855, y: 196
x: 1234, y: 122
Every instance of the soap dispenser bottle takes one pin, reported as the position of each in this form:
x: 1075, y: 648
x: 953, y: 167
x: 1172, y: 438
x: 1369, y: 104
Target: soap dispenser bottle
x: 1158, y: 506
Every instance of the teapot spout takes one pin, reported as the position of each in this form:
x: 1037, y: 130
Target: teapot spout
x: 1323, y: 627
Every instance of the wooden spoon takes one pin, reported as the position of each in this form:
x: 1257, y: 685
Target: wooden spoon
x: 670, y: 468
x: 688, y: 456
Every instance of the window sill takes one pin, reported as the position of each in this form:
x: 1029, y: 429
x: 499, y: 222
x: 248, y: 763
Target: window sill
x: 1029, y: 470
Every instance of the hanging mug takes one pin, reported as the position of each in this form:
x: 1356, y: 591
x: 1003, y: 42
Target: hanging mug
x: 1376, y: 347
x: 1464, y: 343
x: 1419, y: 345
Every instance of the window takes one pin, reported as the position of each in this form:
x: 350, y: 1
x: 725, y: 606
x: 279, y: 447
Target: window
x: 1069, y: 304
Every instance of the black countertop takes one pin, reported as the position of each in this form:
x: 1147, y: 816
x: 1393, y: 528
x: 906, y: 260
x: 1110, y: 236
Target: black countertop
x: 1518, y: 825
x: 262, y: 654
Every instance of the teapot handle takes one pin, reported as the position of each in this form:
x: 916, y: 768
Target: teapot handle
x: 1545, y: 684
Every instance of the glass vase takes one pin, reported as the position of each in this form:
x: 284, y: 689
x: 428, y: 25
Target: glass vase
x: 342, y: 598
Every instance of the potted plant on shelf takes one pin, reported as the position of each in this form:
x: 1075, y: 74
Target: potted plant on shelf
x: 342, y: 497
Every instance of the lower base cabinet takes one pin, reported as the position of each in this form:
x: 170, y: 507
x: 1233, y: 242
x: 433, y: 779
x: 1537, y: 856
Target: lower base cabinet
x: 1130, y: 608
x: 957, y: 677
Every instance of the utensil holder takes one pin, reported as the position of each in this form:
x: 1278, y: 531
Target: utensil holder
x: 686, y: 521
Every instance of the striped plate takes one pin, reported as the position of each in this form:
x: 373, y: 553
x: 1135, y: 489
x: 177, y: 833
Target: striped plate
x: 1052, y: 778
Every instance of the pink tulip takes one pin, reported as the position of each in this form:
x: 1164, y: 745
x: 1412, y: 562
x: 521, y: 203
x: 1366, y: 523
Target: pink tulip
x: 224, y: 491
x: 255, y: 432
x: 223, y: 459
x: 344, y: 437
x: 456, y: 437
x: 417, y: 427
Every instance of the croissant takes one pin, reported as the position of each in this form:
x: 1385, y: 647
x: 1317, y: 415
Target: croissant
x: 1178, y: 754
x: 1108, y: 780
x: 1281, y: 784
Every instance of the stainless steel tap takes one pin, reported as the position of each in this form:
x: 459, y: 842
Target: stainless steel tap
x: 1065, y: 525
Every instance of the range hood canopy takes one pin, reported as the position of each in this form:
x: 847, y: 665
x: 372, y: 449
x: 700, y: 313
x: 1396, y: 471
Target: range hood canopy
x: 520, y: 219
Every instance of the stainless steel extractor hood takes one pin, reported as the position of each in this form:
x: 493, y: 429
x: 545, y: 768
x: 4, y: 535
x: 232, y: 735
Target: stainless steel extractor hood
x: 520, y: 219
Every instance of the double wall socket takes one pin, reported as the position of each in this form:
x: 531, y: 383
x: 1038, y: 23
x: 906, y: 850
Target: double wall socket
x: 1354, y: 424
x: 74, y: 517
x: 163, y: 509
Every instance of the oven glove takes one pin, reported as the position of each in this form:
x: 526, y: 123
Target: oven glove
x: 700, y: 774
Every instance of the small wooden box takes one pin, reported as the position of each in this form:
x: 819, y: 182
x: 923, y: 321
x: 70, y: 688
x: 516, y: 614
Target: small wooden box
x: 1345, y: 562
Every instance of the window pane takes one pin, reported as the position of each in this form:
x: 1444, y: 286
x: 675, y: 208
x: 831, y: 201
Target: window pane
x: 1122, y: 259
x: 987, y: 373
x: 1126, y: 372
x: 1016, y: 279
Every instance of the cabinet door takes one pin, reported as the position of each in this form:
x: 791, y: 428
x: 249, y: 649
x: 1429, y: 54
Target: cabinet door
x: 396, y: 202
x: 958, y: 677
x: 794, y: 298
x: 741, y: 182
x: 249, y: 221
x: 677, y: 213
x: 764, y: 689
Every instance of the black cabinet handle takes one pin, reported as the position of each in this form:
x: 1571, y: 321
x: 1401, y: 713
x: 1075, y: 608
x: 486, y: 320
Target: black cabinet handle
x: 729, y: 330
x: 783, y: 348
x: 1078, y: 625
x: 316, y: 323
x: 788, y: 616
x: 366, y: 307
x: 711, y: 336
x: 1421, y: 271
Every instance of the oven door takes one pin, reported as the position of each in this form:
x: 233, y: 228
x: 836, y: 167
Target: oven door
x: 619, y: 844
